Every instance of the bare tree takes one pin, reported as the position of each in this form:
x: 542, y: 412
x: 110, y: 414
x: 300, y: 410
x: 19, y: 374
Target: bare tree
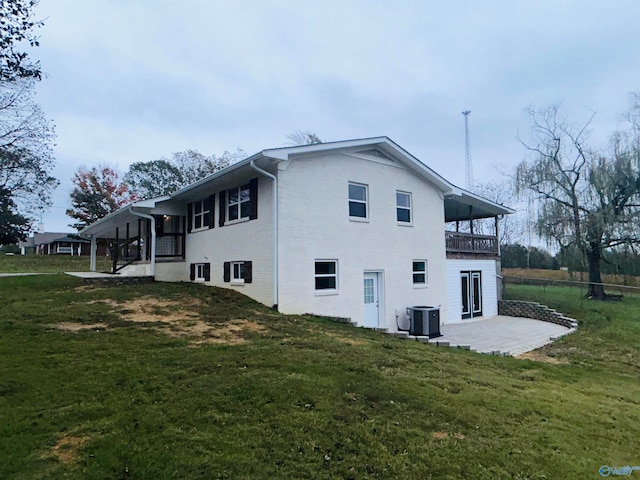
x: 585, y: 199
x: 26, y: 154
x: 511, y: 227
x: 304, y: 137
x: 26, y: 136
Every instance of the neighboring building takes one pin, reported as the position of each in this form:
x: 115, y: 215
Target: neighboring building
x: 346, y: 229
x: 50, y: 243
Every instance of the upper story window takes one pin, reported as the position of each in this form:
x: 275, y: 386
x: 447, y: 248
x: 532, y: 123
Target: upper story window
x: 239, y: 203
x: 200, y: 214
x: 403, y: 207
x: 358, y: 200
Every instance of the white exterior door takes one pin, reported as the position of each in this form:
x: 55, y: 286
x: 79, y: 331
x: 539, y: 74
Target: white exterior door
x: 371, y: 300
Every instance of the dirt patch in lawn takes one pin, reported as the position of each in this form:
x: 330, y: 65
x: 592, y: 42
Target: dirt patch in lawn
x: 66, y: 449
x: 232, y: 332
x: 538, y: 356
x: 176, y: 319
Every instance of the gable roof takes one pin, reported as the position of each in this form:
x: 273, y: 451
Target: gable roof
x: 457, y: 201
x: 46, y: 238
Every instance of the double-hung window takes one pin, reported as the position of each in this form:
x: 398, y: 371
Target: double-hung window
x: 201, y: 214
x: 403, y: 207
x: 358, y: 200
x: 326, y: 275
x: 419, y: 272
x: 239, y: 204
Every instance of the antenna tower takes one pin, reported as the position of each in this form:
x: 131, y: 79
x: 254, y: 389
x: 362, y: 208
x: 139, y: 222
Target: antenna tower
x: 468, y: 167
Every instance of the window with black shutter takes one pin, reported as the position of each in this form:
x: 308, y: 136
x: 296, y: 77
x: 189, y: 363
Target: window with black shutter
x: 238, y: 272
x: 239, y: 203
x: 200, y: 272
x: 201, y: 214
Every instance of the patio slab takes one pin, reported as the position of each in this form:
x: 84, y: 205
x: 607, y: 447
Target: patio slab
x: 499, y: 335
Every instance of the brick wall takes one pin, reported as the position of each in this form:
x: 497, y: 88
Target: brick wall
x: 537, y: 311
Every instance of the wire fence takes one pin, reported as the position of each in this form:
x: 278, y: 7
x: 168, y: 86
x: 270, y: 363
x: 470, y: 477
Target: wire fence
x: 577, y: 284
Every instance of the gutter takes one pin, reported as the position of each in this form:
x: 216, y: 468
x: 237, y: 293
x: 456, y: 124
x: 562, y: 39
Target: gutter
x: 153, y: 237
x: 275, y: 230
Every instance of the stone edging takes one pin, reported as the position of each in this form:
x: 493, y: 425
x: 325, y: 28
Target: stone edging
x: 535, y: 310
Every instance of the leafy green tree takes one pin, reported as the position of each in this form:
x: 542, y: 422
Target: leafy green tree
x: 162, y: 177
x: 153, y: 179
x: 586, y: 200
x: 13, y: 226
x: 17, y: 27
x: 97, y: 192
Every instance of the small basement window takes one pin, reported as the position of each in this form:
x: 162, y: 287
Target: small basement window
x: 419, y: 272
x: 326, y: 275
x: 200, y: 272
x: 238, y: 272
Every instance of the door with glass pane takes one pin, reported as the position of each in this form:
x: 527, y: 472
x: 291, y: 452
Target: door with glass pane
x: 471, y: 289
x: 371, y: 300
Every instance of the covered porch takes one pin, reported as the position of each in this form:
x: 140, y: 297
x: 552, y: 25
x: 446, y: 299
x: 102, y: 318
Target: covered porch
x: 472, y: 225
x: 144, y: 232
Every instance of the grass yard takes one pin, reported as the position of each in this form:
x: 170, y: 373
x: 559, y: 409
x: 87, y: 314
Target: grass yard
x: 166, y: 381
x: 49, y: 263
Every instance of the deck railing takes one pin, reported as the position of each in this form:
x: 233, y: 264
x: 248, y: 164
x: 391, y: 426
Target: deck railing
x: 457, y: 242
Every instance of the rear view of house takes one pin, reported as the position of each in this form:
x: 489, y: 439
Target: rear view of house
x: 353, y: 229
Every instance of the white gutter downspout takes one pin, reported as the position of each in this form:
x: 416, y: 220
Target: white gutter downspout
x: 153, y: 238
x: 275, y: 231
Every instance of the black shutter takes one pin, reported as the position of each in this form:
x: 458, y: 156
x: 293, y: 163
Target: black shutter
x: 223, y: 207
x: 189, y: 217
x: 227, y: 272
x: 192, y: 274
x: 253, y: 195
x: 248, y: 272
x: 207, y: 272
x: 211, y: 203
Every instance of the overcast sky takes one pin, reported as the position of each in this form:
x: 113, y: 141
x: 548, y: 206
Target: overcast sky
x: 135, y: 80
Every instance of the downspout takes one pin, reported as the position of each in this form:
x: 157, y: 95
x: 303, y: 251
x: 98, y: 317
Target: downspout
x: 275, y: 230
x: 153, y: 238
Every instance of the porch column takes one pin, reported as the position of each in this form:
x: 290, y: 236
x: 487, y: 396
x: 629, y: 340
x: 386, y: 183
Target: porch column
x: 93, y: 250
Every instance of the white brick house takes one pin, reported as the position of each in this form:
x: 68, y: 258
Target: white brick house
x: 352, y: 229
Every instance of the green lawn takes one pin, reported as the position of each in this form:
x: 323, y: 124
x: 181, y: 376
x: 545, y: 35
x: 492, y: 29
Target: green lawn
x: 199, y: 382
x: 49, y: 263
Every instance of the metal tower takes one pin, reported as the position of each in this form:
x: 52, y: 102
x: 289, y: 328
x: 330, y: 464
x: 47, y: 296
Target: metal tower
x: 468, y: 167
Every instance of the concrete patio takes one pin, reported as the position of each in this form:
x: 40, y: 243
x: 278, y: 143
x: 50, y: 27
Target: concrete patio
x: 500, y: 335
